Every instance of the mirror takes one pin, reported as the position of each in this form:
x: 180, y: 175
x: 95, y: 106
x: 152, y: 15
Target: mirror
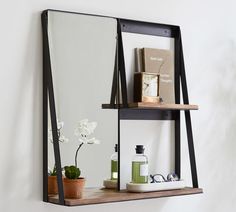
x: 82, y: 51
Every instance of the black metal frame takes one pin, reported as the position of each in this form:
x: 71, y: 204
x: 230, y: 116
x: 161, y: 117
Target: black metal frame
x: 48, y: 97
x: 119, y: 82
x: 170, y: 31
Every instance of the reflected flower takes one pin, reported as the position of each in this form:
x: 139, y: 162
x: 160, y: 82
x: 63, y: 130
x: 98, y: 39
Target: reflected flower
x: 62, y: 138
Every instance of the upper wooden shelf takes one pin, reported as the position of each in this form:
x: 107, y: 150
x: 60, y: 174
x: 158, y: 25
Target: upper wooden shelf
x: 150, y: 105
x: 98, y: 195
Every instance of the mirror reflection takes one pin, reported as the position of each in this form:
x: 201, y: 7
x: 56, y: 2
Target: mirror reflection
x: 82, y: 51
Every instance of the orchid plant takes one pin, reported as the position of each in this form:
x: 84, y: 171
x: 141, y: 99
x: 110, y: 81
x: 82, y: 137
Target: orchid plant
x: 84, y: 131
x: 62, y: 139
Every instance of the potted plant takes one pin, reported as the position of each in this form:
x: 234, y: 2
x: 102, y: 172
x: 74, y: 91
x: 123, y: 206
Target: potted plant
x: 52, y: 182
x: 73, y: 183
x: 52, y: 174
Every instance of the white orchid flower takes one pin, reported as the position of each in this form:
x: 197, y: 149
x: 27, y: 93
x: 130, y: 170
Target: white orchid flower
x: 83, y: 131
x: 60, y: 124
x: 85, y: 128
x: 62, y: 138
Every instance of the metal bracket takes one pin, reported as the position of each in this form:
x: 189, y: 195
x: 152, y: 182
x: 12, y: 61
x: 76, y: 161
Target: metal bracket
x: 48, y: 93
x: 188, y: 118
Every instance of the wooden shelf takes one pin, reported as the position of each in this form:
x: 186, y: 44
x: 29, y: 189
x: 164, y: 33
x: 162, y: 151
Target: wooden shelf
x: 150, y: 105
x: 98, y: 195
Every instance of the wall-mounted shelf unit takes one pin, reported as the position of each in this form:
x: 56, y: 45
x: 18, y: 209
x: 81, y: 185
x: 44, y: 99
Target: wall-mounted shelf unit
x: 126, y: 111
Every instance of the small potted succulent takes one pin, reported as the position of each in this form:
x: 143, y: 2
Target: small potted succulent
x: 73, y: 183
x: 52, y: 174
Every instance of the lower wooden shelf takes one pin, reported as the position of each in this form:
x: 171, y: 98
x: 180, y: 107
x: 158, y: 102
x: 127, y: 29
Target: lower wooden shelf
x: 98, y: 195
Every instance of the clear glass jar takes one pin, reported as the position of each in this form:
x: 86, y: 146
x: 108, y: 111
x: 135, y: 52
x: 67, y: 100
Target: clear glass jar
x: 140, y: 166
x: 114, y: 164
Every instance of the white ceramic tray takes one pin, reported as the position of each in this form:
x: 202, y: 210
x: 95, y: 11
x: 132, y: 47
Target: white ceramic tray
x: 147, y: 187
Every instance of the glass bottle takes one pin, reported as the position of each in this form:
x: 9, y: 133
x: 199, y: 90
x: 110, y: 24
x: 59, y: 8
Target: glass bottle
x: 140, y: 166
x: 114, y: 164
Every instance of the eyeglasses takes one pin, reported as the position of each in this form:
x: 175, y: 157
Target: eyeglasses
x: 159, y: 178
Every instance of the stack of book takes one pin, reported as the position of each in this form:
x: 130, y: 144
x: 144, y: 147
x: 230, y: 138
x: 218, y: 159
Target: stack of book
x: 161, y: 62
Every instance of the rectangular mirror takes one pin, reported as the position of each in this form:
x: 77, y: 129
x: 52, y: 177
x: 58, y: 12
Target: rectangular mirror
x: 82, y: 50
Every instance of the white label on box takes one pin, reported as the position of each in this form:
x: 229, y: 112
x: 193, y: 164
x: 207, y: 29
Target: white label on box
x: 144, y: 170
x: 114, y: 175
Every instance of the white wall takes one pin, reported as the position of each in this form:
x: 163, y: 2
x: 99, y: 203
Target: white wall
x: 156, y: 136
x: 209, y: 38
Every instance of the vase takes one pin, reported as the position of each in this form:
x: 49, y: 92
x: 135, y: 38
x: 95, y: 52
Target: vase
x: 52, y: 185
x: 73, y: 188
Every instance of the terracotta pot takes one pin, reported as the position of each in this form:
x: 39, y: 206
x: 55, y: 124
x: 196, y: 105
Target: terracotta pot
x: 73, y: 188
x: 52, y: 185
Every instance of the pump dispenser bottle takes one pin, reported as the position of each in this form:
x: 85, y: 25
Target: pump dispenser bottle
x: 140, y: 166
x: 114, y: 164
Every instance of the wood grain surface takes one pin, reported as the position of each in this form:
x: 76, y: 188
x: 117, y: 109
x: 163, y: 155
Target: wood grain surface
x: 100, y: 195
x: 152, y: 105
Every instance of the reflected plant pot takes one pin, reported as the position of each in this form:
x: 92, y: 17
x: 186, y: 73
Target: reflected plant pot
x: 52, y: 185
x: 73, y: 188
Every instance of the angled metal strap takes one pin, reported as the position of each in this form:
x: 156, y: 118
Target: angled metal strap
x: 49, y: 83
x: 121, y: 66
x: 45, y: 115
x: 119, y: 75
x: 188, y: 119
x: 177, y: 101
x: 114, y: 89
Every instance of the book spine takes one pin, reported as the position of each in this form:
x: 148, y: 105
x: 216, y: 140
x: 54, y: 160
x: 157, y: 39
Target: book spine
x: 138, y: 60
x: 142, y: 52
